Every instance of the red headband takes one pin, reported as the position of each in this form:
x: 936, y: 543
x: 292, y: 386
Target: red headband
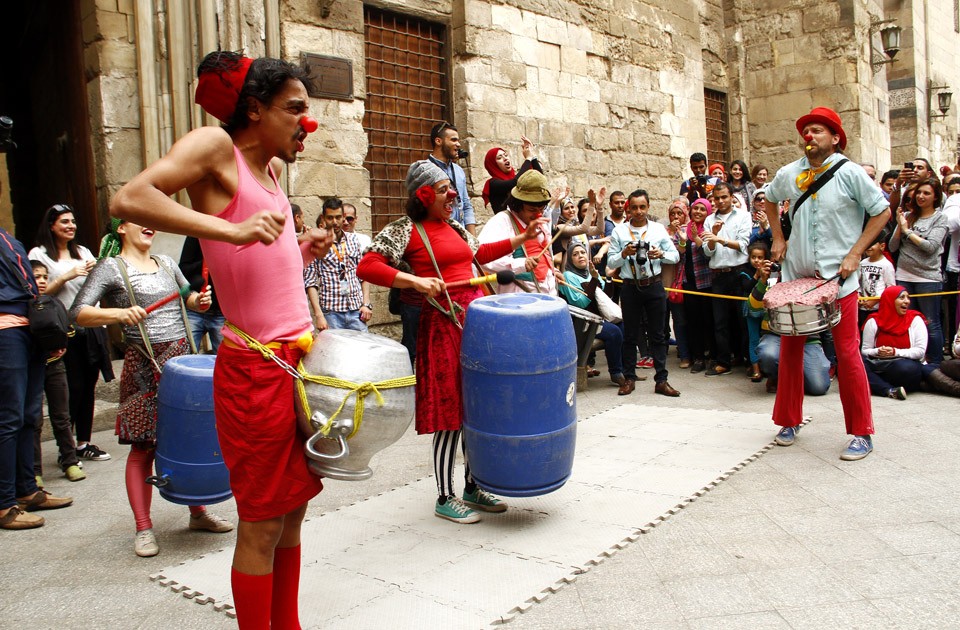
x: 219, y: 91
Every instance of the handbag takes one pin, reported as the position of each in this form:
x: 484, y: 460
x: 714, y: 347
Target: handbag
x: 675, y: 296
x: 49, y: 322
x: 609, y: 310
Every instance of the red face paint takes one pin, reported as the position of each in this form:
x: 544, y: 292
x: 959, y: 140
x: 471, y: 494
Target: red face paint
x: 309, y: 124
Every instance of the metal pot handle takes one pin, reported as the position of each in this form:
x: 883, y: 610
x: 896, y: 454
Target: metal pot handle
x: 313, y: 453
x: 158, y: 481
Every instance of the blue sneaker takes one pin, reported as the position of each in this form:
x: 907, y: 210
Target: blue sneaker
x: 787, y: 436
x: 858, y: 448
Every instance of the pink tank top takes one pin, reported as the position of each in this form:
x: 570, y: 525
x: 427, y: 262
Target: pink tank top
x: 259, y: 287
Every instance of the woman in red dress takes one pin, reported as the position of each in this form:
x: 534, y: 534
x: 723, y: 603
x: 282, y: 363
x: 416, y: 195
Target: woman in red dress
x: 426, y: 251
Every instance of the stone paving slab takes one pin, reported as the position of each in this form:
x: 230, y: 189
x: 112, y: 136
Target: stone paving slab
x: 391, y: 547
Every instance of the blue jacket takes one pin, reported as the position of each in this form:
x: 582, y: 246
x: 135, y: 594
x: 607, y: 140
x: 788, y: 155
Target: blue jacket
x: 13, y: 298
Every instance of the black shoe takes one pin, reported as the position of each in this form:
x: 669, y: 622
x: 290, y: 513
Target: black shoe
x: 697, y: 367
x: 717, y: 370
x: 93, y: 452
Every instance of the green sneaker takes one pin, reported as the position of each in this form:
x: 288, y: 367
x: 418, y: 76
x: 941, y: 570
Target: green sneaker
x: 483, y: 500
x: 75, y: 473
x: 455, y: 510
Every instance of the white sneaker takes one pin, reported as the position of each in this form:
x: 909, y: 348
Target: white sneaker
x: 211, y: 523
x: 146, y: 544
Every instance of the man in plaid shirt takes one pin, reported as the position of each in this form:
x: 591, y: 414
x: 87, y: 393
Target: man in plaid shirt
x: 339, y: 298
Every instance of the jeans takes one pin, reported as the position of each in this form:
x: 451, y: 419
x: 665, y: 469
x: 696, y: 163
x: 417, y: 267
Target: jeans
x: 753, y: 339
x: 949, y: 304
x: 206, y: 323
x: 58, y: 407
x: 410, y: 319
x: 930, y: 307
x: 637, y: 302
x: 82, y: 382
x: 679, y: 315
x: 21, y: 400
x: 816, y: 367
x: 612, y: 337
x: 699, y: 324
x: 347, y: 319
x: 886, y: 374
x: 727, y: 317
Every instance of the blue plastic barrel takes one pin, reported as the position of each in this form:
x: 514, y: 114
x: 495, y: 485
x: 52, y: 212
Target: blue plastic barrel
x: 189, y: 465
x: 519, y: 360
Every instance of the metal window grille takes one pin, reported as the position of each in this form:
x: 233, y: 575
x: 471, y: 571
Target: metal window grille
x: 718, y: 137
x: 406, y: 96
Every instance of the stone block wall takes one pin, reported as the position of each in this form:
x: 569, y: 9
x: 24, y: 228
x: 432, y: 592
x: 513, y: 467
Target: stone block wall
x: 610, y: 93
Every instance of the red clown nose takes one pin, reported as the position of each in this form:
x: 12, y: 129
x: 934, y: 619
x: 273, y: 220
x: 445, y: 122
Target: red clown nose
x: 808, y: 137
x: 451, y: 194
x: 309, y: 124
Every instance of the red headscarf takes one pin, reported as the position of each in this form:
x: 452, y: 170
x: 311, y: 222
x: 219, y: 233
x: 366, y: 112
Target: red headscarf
x: 219, y: 90
x: 490, y: 163
x: 893, y: 329
x: 714, y: 167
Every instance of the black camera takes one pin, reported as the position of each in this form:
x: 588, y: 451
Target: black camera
x: 774, y: 267
x: 643, y: 248
x: 6, y: 134
x: 462, y: 155
x: 702, y: 179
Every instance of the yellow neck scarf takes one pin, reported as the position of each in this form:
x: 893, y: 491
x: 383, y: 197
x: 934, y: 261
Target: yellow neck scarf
x: 807, y: 177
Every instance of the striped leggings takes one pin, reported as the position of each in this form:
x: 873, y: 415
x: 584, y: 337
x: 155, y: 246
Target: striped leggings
x: 444, y: 457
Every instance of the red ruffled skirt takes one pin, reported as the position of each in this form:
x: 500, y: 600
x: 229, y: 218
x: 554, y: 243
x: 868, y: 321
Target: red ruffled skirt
x: 439, y: 388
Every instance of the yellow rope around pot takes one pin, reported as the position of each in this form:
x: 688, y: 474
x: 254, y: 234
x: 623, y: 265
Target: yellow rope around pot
x: 360, y: 389
x: 300, y: 375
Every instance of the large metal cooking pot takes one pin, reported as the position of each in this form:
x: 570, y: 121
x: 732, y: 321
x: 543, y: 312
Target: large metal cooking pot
x: 360, y: 358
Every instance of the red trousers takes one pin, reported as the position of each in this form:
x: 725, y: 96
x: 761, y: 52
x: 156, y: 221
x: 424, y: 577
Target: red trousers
x: 851, y: 375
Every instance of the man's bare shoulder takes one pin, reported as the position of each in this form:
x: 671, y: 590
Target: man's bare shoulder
x: 205, y: 142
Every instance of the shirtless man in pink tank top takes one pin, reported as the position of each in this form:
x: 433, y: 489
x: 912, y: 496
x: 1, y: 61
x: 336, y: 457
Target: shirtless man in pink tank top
x: 245, y: 225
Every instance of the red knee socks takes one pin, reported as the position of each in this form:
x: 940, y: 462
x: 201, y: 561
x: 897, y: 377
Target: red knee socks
x: 251, y: 598
x: 286, y: 588
x: 139, y: 492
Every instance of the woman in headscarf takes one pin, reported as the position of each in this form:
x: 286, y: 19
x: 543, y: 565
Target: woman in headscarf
x: 894, y: 343
x: 127, y: 269
x: 425, y: 251
x: 697, y: 276
x: 581, y: 277
x: 503, y: 177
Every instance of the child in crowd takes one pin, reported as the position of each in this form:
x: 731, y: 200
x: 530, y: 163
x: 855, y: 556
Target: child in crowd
x: 58, y: 407
x: 759, y: 254
x: 876, y: 274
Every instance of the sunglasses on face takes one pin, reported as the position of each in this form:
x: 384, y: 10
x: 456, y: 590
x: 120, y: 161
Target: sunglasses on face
x: 349, y: 219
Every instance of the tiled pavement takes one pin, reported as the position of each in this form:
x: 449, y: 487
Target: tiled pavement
x: 797, y: 539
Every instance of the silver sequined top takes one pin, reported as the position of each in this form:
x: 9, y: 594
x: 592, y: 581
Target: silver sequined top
x: 105, y: 285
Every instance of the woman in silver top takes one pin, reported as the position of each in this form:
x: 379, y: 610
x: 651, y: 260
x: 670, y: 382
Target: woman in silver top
x: 152, y: 339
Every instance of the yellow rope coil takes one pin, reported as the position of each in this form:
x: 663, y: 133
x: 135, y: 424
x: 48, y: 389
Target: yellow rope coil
x: 362, y: 390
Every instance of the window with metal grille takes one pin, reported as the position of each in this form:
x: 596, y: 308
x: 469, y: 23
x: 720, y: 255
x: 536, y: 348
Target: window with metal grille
x: 406, y: 96
x: 718, y: 137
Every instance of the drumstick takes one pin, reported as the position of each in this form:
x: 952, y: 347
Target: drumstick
x: 567, y: 284
x: 184, y: 291
x: 549, y: 246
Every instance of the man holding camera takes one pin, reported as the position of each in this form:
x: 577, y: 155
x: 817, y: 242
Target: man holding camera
x: 445, y: 151
x: 700, y: 186
x: 637, y: 248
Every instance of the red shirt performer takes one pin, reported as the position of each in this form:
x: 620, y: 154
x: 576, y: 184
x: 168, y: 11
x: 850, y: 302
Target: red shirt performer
x: 246, y: 231
x: 430, y: 252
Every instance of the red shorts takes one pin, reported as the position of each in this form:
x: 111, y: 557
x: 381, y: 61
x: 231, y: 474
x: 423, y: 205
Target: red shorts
x: 257, y: 427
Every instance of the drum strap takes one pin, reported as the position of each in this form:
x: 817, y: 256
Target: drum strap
x: 455, y: 308
x: 819, y: 183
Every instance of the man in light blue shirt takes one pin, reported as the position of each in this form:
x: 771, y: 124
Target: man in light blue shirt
x: 445, y: 145
x: 642, y: 291
x: 828, y: 237
x: 727, y: 233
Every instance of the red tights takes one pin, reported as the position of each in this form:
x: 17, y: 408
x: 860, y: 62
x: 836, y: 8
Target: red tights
x: 139, y: 492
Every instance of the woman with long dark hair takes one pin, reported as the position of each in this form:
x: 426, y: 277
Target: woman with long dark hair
x: 88, y: 355
x: 425, y: 251
x: 919, y: 237
x: 740, y: 181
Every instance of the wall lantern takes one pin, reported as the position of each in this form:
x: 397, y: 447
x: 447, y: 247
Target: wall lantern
x: 889, y: 40
x: 944, y: 98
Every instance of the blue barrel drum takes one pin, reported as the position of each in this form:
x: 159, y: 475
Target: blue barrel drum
x: 189, y: 465
x: 519, y: 361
